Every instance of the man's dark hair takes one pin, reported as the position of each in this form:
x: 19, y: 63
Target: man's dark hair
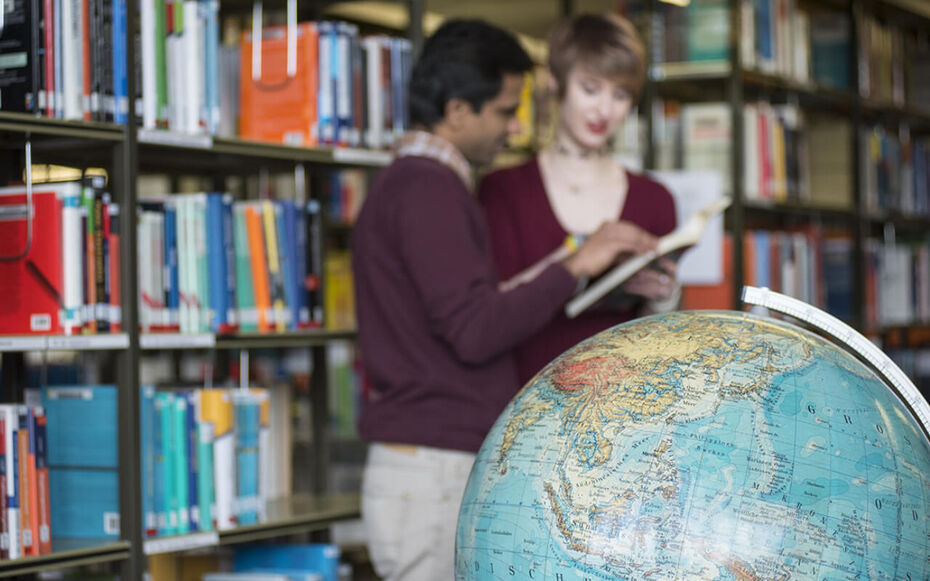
x: 463, y: 59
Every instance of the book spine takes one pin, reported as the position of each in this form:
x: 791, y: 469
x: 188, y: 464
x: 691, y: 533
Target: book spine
x: 42, y: 481
x: 4, y: 501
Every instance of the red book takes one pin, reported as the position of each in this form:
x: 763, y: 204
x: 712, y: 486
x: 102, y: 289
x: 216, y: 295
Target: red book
x: 31, y: 274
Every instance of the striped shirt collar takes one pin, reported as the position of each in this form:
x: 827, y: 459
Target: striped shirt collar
x: 425, y: 144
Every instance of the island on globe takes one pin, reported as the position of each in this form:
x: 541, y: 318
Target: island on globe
x: 700, y: 445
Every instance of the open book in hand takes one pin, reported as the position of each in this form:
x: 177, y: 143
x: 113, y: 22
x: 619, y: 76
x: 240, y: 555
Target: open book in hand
x: 686, y: 235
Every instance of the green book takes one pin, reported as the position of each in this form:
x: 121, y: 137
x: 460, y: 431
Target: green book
x: 245, y: 293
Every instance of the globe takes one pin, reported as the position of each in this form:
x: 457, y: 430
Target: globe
x: 700, y: 445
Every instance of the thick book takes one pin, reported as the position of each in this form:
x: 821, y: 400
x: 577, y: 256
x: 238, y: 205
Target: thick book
x: 32, y: 272
x: 680, y: 239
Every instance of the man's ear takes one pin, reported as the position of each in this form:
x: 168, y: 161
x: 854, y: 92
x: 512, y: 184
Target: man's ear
x: 457, y: 113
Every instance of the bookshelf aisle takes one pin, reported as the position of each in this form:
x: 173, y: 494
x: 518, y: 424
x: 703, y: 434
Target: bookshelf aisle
x: 815, y: 112
x: 113, y: 351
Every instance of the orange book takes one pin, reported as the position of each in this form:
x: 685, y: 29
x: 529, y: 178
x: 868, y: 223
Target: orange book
x: 274, y: 106
x: 259, y: 263
x: 28, y: 492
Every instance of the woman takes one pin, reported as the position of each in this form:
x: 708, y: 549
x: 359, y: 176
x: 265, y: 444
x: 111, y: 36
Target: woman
x: 575, y: 185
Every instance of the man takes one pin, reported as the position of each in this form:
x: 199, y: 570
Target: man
x: 435, y: 325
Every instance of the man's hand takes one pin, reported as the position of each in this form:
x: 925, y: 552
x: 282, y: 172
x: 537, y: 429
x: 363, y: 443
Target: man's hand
x: 656, y: 282
x: 602, y: 248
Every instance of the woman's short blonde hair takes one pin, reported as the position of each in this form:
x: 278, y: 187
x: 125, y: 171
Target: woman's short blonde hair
x: 606, y: 45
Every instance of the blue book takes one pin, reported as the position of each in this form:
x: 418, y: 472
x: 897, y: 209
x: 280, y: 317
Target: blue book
x: 147, y: 431
x: 81, y: 426
x: 763, y: 256
x: 172, y: 288
x: 164, y: 404
x: 317, y: 557
x: 192, y: 438
x: 229, y: 245
x: 284, y: 215
x: 246, y: 412
x: 211, y: 45
x: 180, y: 469
x: 765, y: 47
x: 84, y: 502
x: 120, y: 72
x: 398, y: 86
x: 300, y: 265
x: 216, y: 264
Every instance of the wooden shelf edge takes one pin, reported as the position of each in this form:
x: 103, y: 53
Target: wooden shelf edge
x: 116, y: 551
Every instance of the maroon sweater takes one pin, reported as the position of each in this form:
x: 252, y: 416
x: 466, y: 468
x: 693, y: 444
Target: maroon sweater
x: 435, y: 333
x: 524, y: 229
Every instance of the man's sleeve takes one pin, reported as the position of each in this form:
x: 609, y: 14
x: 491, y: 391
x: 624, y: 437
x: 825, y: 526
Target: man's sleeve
x: 453, y: 276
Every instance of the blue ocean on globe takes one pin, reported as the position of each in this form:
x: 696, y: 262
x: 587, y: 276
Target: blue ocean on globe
x: 700, y: 445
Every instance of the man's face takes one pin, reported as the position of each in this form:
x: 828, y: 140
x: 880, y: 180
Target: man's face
x: 484, y: 133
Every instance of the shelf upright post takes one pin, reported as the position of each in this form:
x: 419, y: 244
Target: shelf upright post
x: 646, y: 107
x: 415, y: 26
x: 123, y: 184
x: 737, y: 148
x: 860, y: 216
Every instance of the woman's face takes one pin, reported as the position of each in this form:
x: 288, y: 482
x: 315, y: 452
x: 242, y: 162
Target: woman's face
x: 593, y: 108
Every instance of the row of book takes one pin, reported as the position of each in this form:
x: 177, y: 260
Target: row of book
x: 787, y: 156
x: 66, y: 59
x: 794, y: 41
x: 207, y: 458
x: 25, y: 499
x: 61, y: 248
x: 215, y: 265
x: 806, y: 264
x: 793, y: 157
x: 893, y: 63
x: 895, y: 172
x: 816, y: 266
x: 312, y: 83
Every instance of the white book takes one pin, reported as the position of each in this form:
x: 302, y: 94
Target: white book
x: 374, y: 131
x: 11, y: 421
x: 192, y: 66
x: 145, y: 274
x: 71, y: 236
x: 686, y: 235
x: 70, y: 63
x: 184, y: 307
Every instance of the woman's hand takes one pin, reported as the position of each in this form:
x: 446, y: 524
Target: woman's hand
x: 655, y: 282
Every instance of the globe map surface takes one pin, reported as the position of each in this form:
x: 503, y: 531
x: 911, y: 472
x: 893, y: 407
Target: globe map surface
x: 700, y: 445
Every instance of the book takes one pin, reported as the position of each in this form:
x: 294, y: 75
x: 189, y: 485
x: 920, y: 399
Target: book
x: 684, y: 236
x: 33, y: 274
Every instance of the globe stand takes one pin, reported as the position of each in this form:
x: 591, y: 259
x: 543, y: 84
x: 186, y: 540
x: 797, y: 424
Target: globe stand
x: 849, y: 338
